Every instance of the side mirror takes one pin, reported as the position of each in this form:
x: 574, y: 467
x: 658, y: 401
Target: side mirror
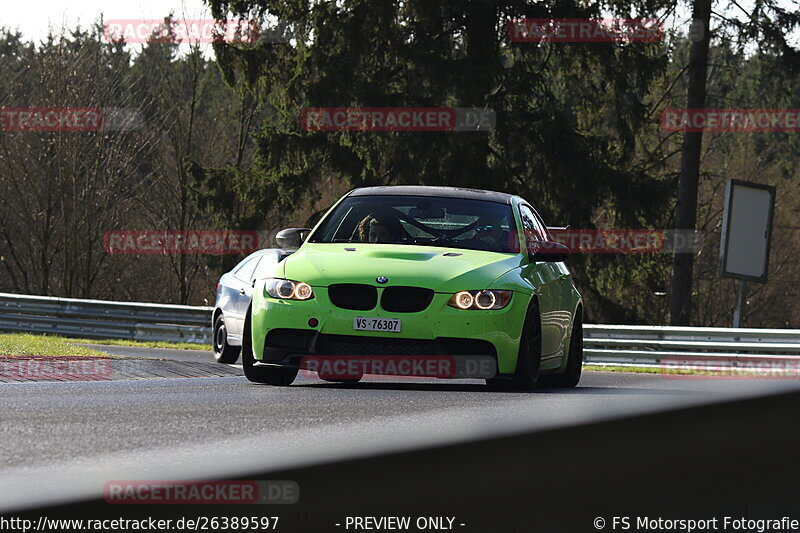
x: 290, y: 238
x: 550, y: 252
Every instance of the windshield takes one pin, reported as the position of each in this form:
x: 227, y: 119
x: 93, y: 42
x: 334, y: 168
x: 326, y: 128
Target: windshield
x: 422, y: 221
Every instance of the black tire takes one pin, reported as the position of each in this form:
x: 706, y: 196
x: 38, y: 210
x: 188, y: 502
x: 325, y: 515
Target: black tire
x: 224, y: 352
x: 275, y: 375
x: 572, y: 374
x: 529, y: 359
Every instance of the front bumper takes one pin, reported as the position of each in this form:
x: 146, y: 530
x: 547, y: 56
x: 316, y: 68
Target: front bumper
x: 280, y: 329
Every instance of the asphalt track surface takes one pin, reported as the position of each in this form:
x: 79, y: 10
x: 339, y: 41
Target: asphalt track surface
x: 82, y: 433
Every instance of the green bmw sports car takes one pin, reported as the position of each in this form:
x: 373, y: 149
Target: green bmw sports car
x: 412, y: 274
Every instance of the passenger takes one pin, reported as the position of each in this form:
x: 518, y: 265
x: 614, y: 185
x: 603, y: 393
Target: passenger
x: 489, y: 231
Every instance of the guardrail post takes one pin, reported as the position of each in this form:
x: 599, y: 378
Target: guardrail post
x: 737, y: 311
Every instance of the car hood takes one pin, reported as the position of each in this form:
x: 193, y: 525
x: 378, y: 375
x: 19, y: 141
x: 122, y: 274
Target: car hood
x: 419, y: 266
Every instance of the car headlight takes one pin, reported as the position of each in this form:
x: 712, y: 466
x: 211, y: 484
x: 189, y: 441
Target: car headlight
x: 484, y: 300
x: 285, y: 289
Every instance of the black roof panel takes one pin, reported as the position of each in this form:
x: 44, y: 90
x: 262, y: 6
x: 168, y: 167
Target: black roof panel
x: 446, y: 192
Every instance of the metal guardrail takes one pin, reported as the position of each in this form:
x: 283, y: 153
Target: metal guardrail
x: 604, y: 344
x: 100, y: 319
x: 676, y: 347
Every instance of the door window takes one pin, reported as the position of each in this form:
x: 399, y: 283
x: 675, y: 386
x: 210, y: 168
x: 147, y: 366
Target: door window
x: 246, y: 268
x: 532, y: 229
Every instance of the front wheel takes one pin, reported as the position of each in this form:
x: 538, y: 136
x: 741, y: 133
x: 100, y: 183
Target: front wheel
x: 529, y: 358
x: 223, y: 352
x: 278, y: 376
x: 572, y: 374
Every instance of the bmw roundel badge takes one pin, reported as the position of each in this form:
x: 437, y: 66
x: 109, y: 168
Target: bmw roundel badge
x: 382, y: 279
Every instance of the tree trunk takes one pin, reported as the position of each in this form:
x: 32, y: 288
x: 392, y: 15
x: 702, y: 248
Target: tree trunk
x: 480, y: 19
x: 680, y: 298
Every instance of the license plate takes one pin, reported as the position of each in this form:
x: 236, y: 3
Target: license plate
x: 376, y: 324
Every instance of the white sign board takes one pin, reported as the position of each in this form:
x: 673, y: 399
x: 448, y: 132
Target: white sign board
x: 746, y: 230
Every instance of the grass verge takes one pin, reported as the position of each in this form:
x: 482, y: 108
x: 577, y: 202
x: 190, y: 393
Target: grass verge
x: 729, y: 373
x: 25, y: 344
x: 636, y: 369
x: 145, y: 344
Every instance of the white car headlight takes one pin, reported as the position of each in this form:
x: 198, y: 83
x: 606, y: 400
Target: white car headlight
x: 285, y: 289
x: 485, y: 299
